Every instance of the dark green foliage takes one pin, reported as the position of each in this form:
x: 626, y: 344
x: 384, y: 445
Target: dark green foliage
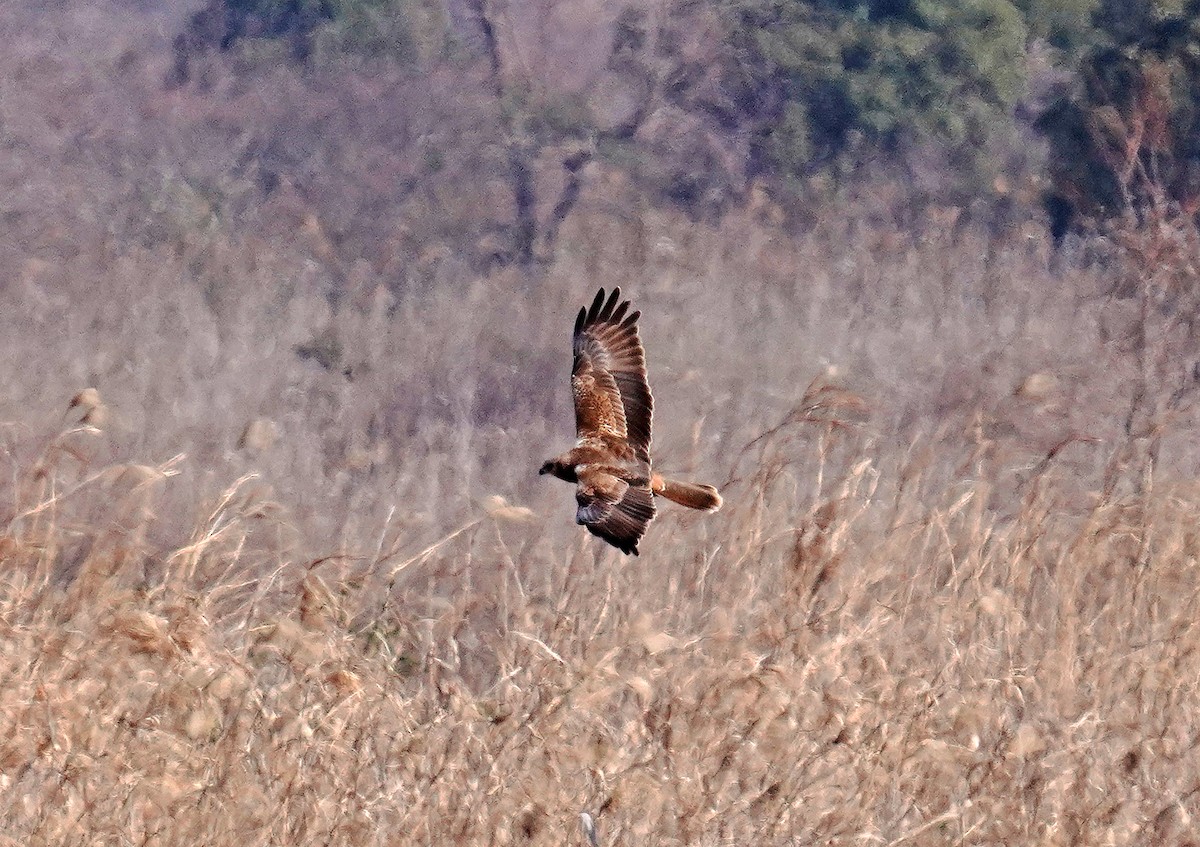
x: 1126, y: 137
x: 817, y: 82
x: 1130, y: 21
x: 1065, y: 24
x: 408, y: 31
x: 398, y: 30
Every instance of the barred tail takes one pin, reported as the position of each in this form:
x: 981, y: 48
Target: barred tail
x: 690, y: 494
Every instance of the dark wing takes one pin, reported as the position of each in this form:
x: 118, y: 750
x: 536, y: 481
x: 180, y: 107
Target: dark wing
x: 608, y: 379
x: 621, y: 522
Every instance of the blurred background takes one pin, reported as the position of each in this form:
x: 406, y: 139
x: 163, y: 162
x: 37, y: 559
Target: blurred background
x: 332, y: 242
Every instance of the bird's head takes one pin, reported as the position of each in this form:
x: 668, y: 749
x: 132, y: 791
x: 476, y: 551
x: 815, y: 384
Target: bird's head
x: 558, y: 468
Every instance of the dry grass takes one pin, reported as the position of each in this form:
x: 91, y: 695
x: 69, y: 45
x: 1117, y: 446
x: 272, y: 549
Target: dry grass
x: 937, y: 608
x: 285, y: 574
x: 833, y: 659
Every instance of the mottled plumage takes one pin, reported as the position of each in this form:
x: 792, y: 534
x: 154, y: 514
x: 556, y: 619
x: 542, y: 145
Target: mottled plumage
x: 610, y: 463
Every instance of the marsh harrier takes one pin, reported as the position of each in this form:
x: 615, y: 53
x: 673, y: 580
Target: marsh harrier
x: 610, y: 462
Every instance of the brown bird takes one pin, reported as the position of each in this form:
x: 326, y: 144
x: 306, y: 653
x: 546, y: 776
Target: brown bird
x: 610, y: 462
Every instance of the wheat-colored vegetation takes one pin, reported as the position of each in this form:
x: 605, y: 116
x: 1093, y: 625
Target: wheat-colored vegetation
x: 300, y: 584
x: 940, y: 606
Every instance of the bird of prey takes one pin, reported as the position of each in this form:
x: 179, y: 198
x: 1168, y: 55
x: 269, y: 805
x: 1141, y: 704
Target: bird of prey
x: 610, y: 462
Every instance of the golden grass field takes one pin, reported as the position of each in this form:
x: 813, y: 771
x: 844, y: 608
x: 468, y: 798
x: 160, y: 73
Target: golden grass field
x: 942, y: 604
x: 288, y: 575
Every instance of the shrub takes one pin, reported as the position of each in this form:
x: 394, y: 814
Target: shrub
x: 407, y: 31
x: 820, y: 84
x: 1125, y: 136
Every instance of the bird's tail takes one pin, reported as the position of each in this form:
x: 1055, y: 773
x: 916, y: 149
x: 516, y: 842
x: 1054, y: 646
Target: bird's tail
x: 691, y: 494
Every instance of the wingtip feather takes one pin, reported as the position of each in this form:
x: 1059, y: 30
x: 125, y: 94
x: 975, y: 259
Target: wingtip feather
x: 607, y: 310
x: 594, y: 310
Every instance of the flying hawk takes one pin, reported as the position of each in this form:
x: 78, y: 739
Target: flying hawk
x: 610, y: 462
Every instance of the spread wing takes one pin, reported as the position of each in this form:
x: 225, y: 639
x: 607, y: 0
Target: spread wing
x: 615, y: 511
x: 608, y: 380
